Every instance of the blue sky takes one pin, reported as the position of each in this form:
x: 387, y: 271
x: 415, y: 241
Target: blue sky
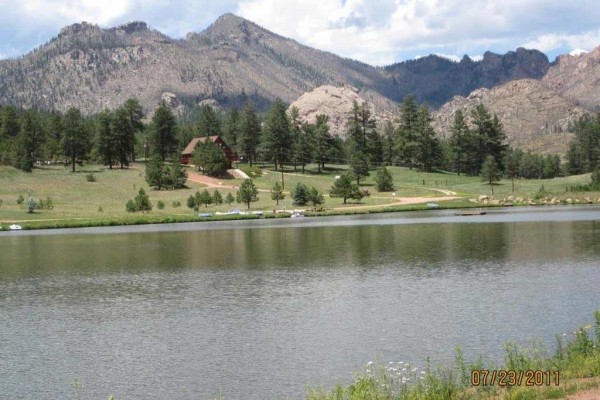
x: 378, y: 32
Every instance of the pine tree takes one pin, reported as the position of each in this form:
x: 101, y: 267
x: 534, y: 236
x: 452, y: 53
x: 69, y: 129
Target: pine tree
x: 407, y: 144
x: 249, y: 137
x: 204, y: 198
x: 217, y: 198
x: 233, y: 127
x: 359, y: 165
x: 300, y: 194
x: 105, y: 139
x: 490, y: 172
x: 315, y: 197
x: 142, y: 202
x: 123, y: 135
x: 247, y: 193
x: 346, y: 189
x: 488, y: 135
x: 389, y: 153
x: 135, y: 114
x: 304, y: 147
x: 155, y: 172
x: 229, y: 199
x: 209, y: 157
x: 277, y: 193
x: 74, y: 140
x: 30, y: 139
x: 323, y: 142
x: 163, y: 134
x: 209, y: 123
x: 296, y: 133
x: 384, y: 181
x: 460, y: 143
x: 428, y: 152
x: 277, y: 134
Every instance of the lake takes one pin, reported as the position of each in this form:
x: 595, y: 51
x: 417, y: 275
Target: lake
x: 261, y: 309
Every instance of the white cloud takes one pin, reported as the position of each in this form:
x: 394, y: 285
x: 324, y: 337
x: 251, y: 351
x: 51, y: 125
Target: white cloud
x: 551, y: 41
x: 377, y: 32
x: 382, y: 32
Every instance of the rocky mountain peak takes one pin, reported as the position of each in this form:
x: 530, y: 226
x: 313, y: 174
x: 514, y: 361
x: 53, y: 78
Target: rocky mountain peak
x: 79, y: 29
x: 131, y: 27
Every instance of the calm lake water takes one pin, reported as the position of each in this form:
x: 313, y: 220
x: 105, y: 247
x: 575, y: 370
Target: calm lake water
x: 260, y: 309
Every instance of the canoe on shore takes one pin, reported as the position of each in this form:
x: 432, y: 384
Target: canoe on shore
x: 469, y: 213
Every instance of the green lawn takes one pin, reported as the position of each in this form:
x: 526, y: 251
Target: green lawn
x: 76, y: 198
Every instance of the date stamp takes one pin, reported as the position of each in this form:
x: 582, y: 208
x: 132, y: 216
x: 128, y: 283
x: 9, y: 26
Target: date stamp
x: 507, y: 377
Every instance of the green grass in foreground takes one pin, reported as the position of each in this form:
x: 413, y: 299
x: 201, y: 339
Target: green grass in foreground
x: 577, y: 361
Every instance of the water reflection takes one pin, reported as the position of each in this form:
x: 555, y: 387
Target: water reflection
x: 258, y: 313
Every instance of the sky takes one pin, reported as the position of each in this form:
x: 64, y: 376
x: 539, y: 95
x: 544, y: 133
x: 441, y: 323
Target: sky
x: 377, y: 32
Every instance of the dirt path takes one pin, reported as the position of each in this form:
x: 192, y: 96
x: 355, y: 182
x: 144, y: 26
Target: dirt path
x: 208, y: 181
x: 401, y: 201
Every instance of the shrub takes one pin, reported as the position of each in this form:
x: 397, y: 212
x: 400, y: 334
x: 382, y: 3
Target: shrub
x: 0, y: 202
x: 229, y: 199
x: 300, y: 194
x: 204, y: 198
x: 90, y: 178
x: 20, y: 200
x: 47, y: 204
x: 32, y: 204
x: 140, y: 203
x: 384, y: 181
x: 176, y: 204
x: 130, y: 206
x: 191, y: 202
x: 100, y: 209
x: 160, y: 205
x: 217, y: 198
x: 315, y: 197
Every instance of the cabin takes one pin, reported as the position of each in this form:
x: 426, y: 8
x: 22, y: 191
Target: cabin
x: 188, y: 152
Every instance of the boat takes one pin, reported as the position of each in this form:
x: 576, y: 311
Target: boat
x: 205, y: 214
x: 433, y: 205
x: 257, y: 213
x: 297, y: 215
x: 469, y: 213
x: 15, y: 227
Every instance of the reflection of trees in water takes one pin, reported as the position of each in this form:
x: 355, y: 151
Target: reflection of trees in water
x: 463, y: 245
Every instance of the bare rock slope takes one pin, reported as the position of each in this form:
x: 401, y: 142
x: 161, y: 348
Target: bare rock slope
x: 336, y: 103
x: 533, y: 116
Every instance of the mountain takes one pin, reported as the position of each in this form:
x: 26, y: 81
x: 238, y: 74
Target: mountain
x: 435, y: 79
x: 336, y: 103
x: 231, y: 60
x: 576, y: 77
x: 533, y: 115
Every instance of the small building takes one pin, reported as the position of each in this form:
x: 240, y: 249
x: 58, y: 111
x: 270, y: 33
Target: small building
x: 188, y: 152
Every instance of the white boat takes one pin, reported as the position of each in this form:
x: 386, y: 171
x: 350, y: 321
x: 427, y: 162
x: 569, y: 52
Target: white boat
x: 16, y: 227
x: 297, y: 215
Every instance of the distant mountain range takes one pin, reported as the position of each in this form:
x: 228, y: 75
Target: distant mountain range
x: 235, y: 59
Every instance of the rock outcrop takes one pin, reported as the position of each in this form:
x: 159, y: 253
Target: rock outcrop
x: 533, y: 116
x: 336, y: 103
x: 577, y: 78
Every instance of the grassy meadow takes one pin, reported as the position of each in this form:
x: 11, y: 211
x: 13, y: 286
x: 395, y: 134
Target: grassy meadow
x: 78, y: 202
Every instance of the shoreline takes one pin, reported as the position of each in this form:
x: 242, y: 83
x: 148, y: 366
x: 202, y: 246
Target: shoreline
x: 416, y: 213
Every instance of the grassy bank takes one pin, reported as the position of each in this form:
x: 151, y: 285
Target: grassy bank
x: 574, y: 366
x: 78, y: 202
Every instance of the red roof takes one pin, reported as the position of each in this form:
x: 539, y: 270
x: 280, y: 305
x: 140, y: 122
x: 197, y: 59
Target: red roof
x: 189, y: 149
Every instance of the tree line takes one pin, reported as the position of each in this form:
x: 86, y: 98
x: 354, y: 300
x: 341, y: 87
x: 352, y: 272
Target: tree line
x: 117, y: 137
